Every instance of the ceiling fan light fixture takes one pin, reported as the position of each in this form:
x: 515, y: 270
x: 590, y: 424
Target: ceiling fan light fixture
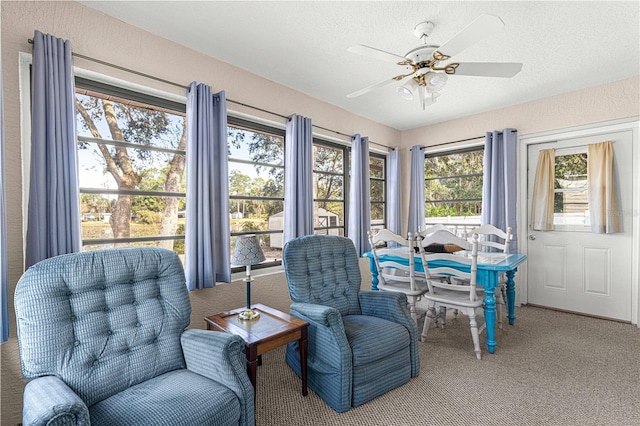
x: 435, y: 81
x: 427, y: 98
x: 407, y: 90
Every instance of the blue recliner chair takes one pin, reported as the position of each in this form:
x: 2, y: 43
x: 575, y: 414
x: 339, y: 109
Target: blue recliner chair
x: 102, y: 336
x: 361, y: 344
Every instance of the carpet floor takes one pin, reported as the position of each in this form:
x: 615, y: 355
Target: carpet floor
x: 550, y: 368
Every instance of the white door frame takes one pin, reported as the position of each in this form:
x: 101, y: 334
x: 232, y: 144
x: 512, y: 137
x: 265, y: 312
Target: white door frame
x: 632, y: 124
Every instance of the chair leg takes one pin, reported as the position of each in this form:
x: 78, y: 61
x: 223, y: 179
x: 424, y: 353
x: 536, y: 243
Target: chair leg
x: 412, y: 308
x: 443, y: 315
x: 431, y: 313
x: 474, y: 333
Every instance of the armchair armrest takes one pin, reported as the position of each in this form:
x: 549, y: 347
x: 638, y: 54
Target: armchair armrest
x: 388, y: 305
x: 319, y: 314
x: 218, y: 356
x: 49, y: 401
x: 329, y: 352
x: 392, y: 306
x: 326, y: 331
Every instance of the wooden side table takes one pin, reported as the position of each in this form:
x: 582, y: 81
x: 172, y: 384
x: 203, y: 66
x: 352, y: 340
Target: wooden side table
x: 271, y: 330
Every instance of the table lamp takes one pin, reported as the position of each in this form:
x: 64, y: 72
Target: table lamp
x: 247, y: 253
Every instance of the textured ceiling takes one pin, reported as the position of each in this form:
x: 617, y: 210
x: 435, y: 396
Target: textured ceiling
x: 564, y: 46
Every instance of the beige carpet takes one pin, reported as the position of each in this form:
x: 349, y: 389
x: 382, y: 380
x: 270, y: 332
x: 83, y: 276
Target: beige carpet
x: 550, y: 368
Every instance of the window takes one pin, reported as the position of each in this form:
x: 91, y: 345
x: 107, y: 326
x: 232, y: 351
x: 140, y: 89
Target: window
x: 378, y: 181
x: 256, y: 186
x: 329, y: 183
x: 131, y: 152
x: 570, y: 203
x: 453, y: 188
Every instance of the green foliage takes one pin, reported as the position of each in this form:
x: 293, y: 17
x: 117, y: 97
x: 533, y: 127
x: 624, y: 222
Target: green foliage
x: 254, y: 226
x: 178, y: 245
x: 148, y: 217
x: 452, y: 209
x: 95, y: 203
x: 460, y: 178
x: 572, y: 167
x: 262, y: 147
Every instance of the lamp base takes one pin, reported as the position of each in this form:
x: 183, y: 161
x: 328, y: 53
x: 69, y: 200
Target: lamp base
x: 249, y: 315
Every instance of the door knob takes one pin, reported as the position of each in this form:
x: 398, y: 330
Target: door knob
x: 532, y: 237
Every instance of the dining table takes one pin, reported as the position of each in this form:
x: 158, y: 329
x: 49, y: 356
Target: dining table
x: 490, y: 266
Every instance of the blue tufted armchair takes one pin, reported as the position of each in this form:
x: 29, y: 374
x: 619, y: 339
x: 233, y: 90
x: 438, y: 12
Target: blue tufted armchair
x: 102, y: 336
x: 361, y: 344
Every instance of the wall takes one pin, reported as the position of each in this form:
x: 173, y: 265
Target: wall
x: 99, y: 36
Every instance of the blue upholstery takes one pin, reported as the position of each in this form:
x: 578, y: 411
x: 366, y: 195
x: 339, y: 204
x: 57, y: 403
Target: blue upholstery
x: 361, y: 344
x: 102, y: 335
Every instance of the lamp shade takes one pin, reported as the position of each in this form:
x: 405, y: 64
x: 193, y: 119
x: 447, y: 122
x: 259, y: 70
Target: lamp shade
x: 435, y: 81
x: 407, y: 90
x: 248, y: 251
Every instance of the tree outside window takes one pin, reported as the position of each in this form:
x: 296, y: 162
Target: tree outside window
x: 256, y: 186
x: 131, y: 170
x: 329, y: 187
x: 453, y: 187
x: 377, y: 182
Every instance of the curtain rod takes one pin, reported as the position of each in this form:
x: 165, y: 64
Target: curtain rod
x: 458, y: 141
x: 182, y: 86
x: 452, y: 142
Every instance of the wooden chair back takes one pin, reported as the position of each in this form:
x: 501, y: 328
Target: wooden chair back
x: 466, y: 267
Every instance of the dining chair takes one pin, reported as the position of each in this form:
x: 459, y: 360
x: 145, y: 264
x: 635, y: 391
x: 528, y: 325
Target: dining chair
x: 450, y: 294
x: 399, y: 273
x: 494, y: 239
x: 442, y: 240
x: 433, y: 228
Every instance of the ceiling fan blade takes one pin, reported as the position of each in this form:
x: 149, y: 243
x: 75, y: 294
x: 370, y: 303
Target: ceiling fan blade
x: 482, y: 27
x: 372, y: 52
x: 489, y: 69
x: 372, y: 87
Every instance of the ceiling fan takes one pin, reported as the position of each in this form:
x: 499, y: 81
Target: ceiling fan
x: 425, y: 76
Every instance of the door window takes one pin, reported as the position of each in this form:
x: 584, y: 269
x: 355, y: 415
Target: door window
x: 570, y: 204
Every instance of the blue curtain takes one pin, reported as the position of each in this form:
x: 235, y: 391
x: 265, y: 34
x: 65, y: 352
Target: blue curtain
x: 298, y: 178
x: 416, y: 190
x: 53, y: 222
x: 499, y: 182
x: 394, y: 198
x: 4, y: 284
x: 359, y: 195
x: 207, y: 235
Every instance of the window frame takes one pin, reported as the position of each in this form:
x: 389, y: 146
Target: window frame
x: 570, y: 227
x: 382, y: 157
x: 346, y: 174
x: 252, y: 126
x: 144, y: 100
x: 456, y: 225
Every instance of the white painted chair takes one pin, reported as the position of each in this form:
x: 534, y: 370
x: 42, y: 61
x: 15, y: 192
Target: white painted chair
x: 494, y: 239
x: 442, y: 293
x: 445, y: 241
x: 394, y: 275
x: 433, y: 228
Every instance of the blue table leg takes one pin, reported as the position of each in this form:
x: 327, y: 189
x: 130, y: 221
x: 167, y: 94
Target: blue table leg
x: 490, y: 311
x: 374, y: 274
x: 511, y: 296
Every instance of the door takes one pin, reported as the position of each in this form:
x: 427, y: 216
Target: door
x: 570, y: 268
